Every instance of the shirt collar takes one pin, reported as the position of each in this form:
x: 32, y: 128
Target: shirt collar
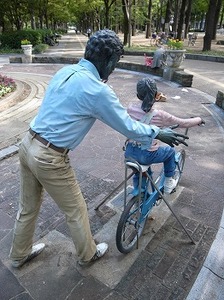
x: 89, y: 66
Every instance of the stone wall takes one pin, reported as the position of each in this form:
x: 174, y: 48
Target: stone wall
x: 220, y: 99
x: 180, y: 77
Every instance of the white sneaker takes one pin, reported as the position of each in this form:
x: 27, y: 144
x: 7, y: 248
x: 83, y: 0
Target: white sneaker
x: 36, y: 250
x: 169, y: 185
x: 101, y: 249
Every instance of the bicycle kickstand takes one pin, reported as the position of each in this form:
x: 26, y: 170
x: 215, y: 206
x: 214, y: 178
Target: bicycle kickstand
x: 172, y: 211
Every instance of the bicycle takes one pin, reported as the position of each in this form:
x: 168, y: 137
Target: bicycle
x: 51, y: 40
x: 192, y: 37
x: 137, y: 209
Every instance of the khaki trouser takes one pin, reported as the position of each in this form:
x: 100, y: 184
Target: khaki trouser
x: 42, y: 167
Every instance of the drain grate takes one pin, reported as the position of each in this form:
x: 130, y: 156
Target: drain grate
x: 118, y: 201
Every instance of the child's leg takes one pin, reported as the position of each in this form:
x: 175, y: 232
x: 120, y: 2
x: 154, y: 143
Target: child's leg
x: 136, y: 184
x: 165, y: 155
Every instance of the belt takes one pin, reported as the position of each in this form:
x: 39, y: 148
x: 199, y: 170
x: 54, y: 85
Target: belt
x: 46, y: 143
x: 133, y: 143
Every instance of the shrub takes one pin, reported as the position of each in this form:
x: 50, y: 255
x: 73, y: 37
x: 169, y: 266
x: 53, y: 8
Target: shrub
x: 7, y: 85
x: 40, y: 48
x: 13, y: 39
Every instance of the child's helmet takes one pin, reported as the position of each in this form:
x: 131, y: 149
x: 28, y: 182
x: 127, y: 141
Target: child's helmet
x: 146, y: 91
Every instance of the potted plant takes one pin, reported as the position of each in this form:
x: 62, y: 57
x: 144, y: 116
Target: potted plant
x: 174, y: 53
x: 175, y: 44
x: 26, y: 46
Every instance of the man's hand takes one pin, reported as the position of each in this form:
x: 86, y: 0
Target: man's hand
x: 171, y: 137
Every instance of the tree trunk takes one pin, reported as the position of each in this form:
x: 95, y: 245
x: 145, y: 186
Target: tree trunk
x: 209, y: 25
x: 126, y: 23
x: 217, y: 13
x: 148, y: 32
x: 181, y: 20
x: 188, y: 17
x: 176, y: 15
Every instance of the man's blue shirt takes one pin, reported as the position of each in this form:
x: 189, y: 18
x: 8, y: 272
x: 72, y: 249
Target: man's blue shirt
x: 74, y: 99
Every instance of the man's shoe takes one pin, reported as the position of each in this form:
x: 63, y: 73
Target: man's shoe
x: 169, y: 185
x: 36, y: 250
x: 101, y: 249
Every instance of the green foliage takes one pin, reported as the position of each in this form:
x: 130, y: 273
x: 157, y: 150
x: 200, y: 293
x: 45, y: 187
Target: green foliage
x: 175, y: 44
x: 13, y: 39
x: 7, y: 85
x: 8, y: 50
x: 25, y: 42
x: 40, y: 48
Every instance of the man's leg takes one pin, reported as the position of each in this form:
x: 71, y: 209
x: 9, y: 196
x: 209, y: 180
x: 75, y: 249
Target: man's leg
x: 55, y: 174
x: 29, y: 206
x: 67, y: 194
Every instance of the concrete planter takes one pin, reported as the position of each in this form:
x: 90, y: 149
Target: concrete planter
x: 27, y: 49
x: 174, y: 58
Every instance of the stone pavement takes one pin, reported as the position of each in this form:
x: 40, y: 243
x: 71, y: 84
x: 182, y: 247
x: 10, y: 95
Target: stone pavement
x: 166, y: 265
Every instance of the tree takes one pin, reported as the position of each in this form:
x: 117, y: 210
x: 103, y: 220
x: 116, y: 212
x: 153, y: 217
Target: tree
x: 108, y: 4
x: 188, y: 17
x: 125, y: 9
x: 181, y: 19
x: 209, y: 25
x: 149, y: 20
x: 217, y: 13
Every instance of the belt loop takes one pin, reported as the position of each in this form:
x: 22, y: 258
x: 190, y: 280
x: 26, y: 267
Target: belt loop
x: 48, y: 145
x: 33, y: 136
x: 65, y: 152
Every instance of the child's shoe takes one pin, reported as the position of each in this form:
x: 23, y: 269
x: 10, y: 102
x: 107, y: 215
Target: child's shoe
x: 169, y: 185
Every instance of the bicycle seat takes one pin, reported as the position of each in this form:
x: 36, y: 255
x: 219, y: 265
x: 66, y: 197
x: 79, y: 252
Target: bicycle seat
x: 137, y: 166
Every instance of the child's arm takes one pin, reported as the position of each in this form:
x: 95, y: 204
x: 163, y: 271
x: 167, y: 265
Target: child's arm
x: 164, y: 119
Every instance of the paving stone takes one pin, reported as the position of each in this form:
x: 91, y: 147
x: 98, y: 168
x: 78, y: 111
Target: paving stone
x: 127, y: 287
x: 115, y: 296
x: 172, y: 278
x: 152, y: 289
x: 178, y: 294
x: 162, y: 294
x: 193, y: 266
x: 165, y: 263
x: 11, y: 287
x: 155, y: 258
x: 89, y: 288
x: 54, y: 271
x: 23, y: 296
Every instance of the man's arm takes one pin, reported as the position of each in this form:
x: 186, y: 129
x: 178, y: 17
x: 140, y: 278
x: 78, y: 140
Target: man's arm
x: 109, y: 110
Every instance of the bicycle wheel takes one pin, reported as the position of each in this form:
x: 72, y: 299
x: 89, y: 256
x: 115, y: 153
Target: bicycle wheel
x: 180, y: 159
x: 128, y: 229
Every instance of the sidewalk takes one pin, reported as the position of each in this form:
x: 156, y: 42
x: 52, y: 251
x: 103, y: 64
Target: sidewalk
x: 166, y: 265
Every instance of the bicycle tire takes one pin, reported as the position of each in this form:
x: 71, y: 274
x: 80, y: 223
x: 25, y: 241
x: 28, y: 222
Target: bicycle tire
x: 127, y: 225
x: 181, y: 162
